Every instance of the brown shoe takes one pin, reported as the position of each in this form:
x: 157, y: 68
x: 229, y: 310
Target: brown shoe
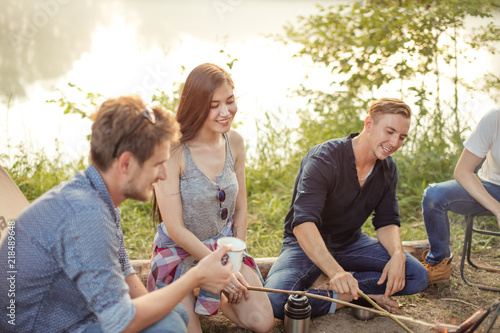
x: 439, y: 273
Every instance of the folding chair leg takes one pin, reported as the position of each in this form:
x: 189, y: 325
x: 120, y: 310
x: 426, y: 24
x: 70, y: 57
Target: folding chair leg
x: 470, y: 230
x: 466, y: 248
x: 466, y: 253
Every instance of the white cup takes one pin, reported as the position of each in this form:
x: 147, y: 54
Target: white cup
x: 235, y: 256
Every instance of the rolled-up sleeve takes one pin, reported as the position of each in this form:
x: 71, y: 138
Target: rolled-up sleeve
x: 312, y: 189
x: 387, y: 211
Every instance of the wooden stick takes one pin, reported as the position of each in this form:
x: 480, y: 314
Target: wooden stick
x: 380, y: 311
x: 472, y: 320
x: 375, y: 305
x: 438, y: 327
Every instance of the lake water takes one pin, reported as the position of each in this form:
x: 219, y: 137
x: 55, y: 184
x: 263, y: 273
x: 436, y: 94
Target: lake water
x: 116, y: 47
x: 119, y: 47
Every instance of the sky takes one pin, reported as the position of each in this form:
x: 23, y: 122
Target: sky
x: 115, y: 47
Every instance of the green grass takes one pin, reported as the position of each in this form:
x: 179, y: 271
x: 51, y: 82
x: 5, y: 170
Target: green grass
x: 270, y: 179
x: 268, y: 202
x: 35, y: 173
x: 138, y: 232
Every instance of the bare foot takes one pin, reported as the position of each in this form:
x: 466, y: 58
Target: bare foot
x: 386, y: 303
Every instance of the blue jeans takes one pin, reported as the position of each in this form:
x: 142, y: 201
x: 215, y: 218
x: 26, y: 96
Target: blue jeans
x: 440, y: 198
x: 176, y: 321
x: 365, y: 259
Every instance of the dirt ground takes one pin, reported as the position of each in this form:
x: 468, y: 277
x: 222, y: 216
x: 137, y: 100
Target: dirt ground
x: 447, y: 304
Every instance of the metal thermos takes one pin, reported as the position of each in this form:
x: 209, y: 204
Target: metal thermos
x: 297, y: 314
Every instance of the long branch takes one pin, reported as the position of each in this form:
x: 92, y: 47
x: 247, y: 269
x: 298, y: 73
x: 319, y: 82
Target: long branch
x: 440, y: 327
x: 380, y: 309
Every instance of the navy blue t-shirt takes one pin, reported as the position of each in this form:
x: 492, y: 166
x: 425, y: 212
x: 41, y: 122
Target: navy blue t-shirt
x: 327, y: 192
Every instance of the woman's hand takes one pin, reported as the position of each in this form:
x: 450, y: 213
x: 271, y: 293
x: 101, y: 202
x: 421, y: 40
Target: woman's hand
x: 235, y: 289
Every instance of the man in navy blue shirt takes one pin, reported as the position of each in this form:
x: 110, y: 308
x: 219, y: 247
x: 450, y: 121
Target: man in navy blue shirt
x: 72, y: 272
x: 341, y: 183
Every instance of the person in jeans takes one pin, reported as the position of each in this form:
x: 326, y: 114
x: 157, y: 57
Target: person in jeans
x: 72, y: 272
x: 467, y: 194
x: 340, y: 183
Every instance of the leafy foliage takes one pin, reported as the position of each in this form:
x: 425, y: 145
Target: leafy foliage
x: 409, y: 49
x: 88, y: 101
x: 35, y: 173
x: 270, y: 177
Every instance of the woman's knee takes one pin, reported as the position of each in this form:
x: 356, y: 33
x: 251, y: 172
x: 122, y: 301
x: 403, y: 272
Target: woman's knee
x: 259, y: 320
x: 259, y: 317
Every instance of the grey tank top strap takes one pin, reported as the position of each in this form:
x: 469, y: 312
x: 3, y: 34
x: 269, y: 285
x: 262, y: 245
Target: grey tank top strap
x: 200, y: 204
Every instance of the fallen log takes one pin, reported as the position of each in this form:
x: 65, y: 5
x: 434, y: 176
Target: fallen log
x: 415, y: 248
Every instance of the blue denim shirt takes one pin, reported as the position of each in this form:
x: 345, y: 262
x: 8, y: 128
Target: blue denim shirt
x: 70, y: 262
x: 327, y: 192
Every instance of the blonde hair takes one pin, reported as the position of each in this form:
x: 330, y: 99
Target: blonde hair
x: 388, y: 105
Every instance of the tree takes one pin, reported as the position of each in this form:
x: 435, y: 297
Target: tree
x: 410, y: 49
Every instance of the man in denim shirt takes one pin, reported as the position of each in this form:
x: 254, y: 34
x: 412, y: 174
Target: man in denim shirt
x: 340, y: 183
x: 72, y: 271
